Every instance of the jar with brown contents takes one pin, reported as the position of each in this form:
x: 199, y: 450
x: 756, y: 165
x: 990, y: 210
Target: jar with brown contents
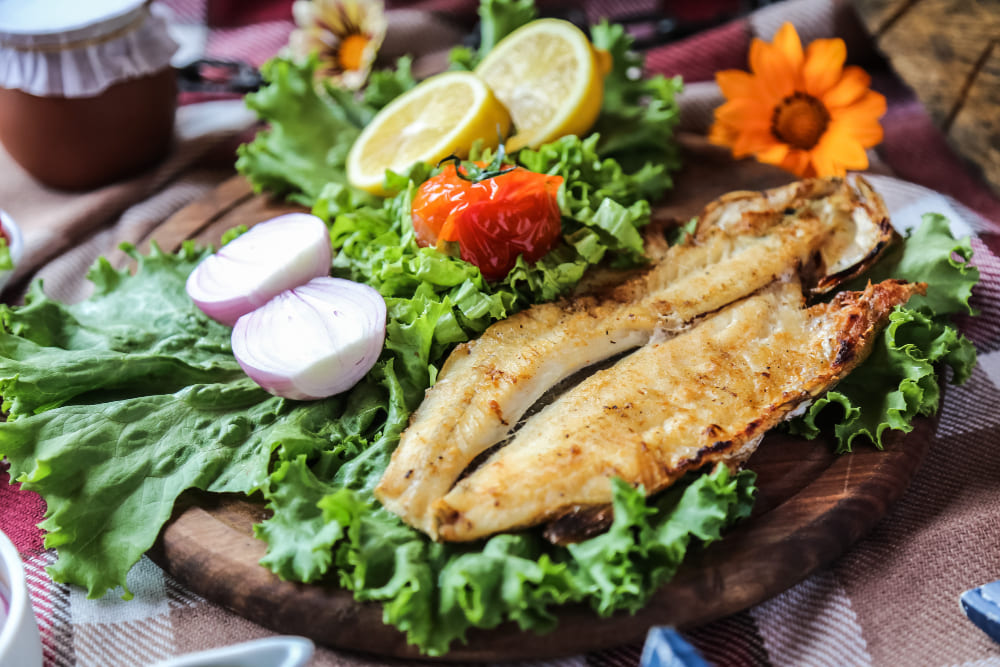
x: 87, y: 93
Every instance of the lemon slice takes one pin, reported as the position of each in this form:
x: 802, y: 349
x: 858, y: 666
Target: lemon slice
x: 442, y: 115
x: 549, y: 77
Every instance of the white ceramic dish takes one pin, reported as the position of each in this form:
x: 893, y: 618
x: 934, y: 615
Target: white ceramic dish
x: 20, y: 643
x: 270, y: 652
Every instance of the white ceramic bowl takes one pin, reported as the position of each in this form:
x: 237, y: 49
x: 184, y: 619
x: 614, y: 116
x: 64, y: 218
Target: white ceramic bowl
x: 280, y: 651
x: 16, y: 244
x: 20, y: 643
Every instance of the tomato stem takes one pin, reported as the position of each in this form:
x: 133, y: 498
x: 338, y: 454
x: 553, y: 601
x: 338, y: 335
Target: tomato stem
x: 473, y: 173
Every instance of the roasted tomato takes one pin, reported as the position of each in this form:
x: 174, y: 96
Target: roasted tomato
x: 494, y: 215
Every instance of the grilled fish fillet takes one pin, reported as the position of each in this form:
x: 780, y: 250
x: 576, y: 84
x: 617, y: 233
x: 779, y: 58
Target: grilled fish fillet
x: 744, y: 241
x: 704, y: 396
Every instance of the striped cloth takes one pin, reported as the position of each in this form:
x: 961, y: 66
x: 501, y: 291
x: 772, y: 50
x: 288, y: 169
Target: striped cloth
x: 892, y: 599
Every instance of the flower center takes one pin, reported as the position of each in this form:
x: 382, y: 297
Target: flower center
x: 799, y: 120
x: 352, y: 51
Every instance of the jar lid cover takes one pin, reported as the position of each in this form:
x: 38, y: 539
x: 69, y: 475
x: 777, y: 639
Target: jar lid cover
x: 47, y: 17
x: 126, y: 39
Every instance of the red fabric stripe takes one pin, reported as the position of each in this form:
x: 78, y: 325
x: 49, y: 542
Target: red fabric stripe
x: 918, y: 152
x: 20, y: 512
x: 698, y: 57
x: 233, y: 13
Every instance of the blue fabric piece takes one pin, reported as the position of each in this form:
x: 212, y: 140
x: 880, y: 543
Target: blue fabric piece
x: 982, y: 606
x: 666, y: 648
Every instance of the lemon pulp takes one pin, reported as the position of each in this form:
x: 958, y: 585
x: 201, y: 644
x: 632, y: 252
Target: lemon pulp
x: 442, y: 115
x: 549, y: 77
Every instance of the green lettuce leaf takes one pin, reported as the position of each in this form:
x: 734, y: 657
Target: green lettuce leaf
x: 308, y: 136
x: 497, y: 19
x: 131, y: 335
x: 639, y: 115
x: 899, y: 381
x: 6, y: 260
x: 435, y: 592
x: 931, y: 254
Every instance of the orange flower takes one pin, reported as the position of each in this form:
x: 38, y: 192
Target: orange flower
x: 802, y: 111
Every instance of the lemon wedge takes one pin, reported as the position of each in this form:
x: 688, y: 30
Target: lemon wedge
x: 442, y: 115
x: 549, y: 77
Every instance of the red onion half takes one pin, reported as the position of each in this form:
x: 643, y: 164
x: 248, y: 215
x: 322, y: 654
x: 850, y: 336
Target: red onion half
x: 313, y: 341
x: 266, y: 260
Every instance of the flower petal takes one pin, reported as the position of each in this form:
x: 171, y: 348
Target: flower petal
x: 824, y: 65
x: 304, y: 13
x: 775, y: 154
x: 824, y: 164
x: 852, y: 85
x: 745, y: 112
x: 776, y: 75
x: 866, y: 132
x: 752, y: 142
x: 860, y: 120
x: 799, y: 163
x: 871, y: 106
x: 836, y: 152
x: 787, y: 41
x: 723, y: 134
x: 736, y: 83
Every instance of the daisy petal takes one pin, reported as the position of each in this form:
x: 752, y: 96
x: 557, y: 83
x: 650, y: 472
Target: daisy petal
x: 852, y: 85
x: 736, y: 83
x: 775, y: 155
x: 723, y: 134
x: 775, y: 74
x: 745, y: 111
x: 824, y: 164
x: 304, y: 13
x: 799, y: 163
x: 787, y: 41
x: 870, y: 106
x: 839, y: 151
x: 824, y: 65
x: 751, y: 142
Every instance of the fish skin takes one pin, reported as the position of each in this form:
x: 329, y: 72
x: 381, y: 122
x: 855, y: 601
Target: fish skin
x: 705, y: 396
x: 744, y: 241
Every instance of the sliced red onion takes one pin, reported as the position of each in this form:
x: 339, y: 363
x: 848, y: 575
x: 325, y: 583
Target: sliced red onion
x: 313, y: 341
x: 251, y: 269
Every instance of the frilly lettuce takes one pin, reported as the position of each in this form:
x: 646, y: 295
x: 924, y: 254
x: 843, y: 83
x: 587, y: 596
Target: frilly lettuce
x: 899, y: 380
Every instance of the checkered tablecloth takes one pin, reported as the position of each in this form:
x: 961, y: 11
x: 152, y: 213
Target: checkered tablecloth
x: 892, y: 599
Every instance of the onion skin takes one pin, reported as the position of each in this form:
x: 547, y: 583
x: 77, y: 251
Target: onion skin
x: 250, y: 270
x: 313, y: 341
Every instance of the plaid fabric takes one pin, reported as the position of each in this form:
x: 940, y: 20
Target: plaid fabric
x: 890, y: 600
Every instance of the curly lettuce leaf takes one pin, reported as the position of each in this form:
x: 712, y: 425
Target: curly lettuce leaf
x: 497, y: 19
x: 111, y: 438
x: 899, y: 380
x: 308, y: 137
x: 932, y: 255
x: 6, y: 260
x: 435, y: 592
x: 639, y: 114
x: 131, y: 335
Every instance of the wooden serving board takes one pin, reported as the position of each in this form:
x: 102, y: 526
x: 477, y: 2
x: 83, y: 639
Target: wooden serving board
x: 812, y: 504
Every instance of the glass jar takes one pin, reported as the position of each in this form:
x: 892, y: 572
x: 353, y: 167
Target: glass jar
x: 87, y: 92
